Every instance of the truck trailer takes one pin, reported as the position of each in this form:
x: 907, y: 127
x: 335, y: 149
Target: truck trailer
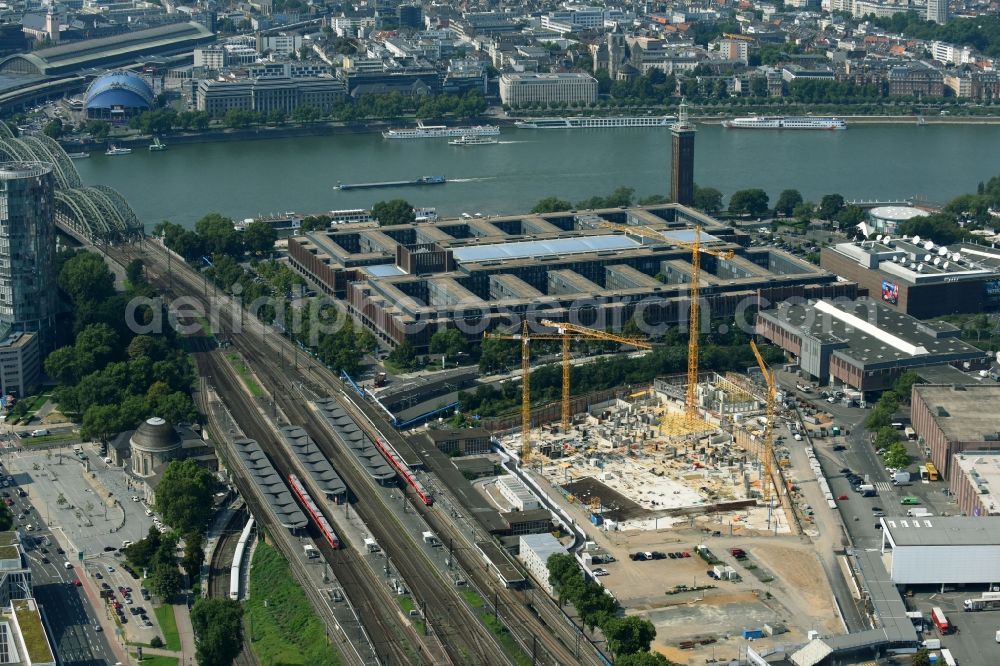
x: 988, y: 601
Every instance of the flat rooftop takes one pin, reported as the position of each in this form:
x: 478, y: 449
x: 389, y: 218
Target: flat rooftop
x: 947, y: 531
x: 555, y: 247
x: 917, y: 261
x: 866, y: 331
x: 982, y: 469
x: 967, y: 413
x: 32, y: 631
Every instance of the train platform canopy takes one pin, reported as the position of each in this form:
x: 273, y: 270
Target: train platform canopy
x: 76, y: 56
x: 270, y: 483
x: 313, y: 460
x: 348, y: 432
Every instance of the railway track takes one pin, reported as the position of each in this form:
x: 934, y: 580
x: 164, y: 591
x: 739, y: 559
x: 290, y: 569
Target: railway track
x: 220, y: 565
x: 390, y: 637
x: 533, y: 622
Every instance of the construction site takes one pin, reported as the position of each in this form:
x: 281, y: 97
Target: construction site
x: 637, y: 463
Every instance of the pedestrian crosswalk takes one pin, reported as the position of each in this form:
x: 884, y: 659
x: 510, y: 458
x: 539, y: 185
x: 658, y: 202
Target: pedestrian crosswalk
x: 883, y: 486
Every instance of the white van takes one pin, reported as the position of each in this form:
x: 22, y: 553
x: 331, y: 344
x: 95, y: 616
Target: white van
x: 41, y: 432
x: 67, y: 565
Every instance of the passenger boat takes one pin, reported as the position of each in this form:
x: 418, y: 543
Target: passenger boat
x: 422, y: 131
x: 78, y: 156
x: 472, y: 140
x: 785, y: 122
x: 157, y: 145
x: 115, y: 150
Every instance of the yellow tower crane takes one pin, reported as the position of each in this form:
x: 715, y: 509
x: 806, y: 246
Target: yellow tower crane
x: 768, y: 436
x: 565, y: 333
x: 694, y: 314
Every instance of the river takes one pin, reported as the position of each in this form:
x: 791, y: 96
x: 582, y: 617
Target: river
x: 251, y: 178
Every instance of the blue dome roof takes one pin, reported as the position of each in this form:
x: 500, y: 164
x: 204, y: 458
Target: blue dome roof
x: 123, y: 89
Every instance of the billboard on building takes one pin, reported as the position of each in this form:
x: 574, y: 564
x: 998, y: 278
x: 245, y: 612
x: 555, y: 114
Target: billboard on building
x: 890, y: 292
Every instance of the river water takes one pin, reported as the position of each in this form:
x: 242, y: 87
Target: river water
x: 251, y: 178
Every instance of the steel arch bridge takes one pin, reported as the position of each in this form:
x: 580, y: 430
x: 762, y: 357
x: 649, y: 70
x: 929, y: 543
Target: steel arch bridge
x: 99, y: 214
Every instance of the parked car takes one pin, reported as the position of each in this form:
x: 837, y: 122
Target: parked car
x: 842, y: 497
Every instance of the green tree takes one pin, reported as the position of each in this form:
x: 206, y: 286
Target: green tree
x: 628, y: 635
x: 643, y: 659
x: 707, y: 199
x: 829, y: 206
x: 259, y: 238
x: 903, y: 387
x: 448, y: 341
x: 101, y: 423
x: 941, y: 228
x: 218, y: 630
x: 218, y: 235
x: 53, y: 128
x: 551, y: 205
x: 562, y: 570
x: 6, y: 517
x: 897, y: 456
x: 135, y: 272
x: 99, y: 129
x: 920, y: 658
x: 803, y: 213
x: 752, y: 202
x: 403, y: 355
x: 394, y: 211
x: 849, y: 217
x: 85, y: 278
x: 787, y: 201
x: 194, y: 555
x: 885, y: 437
x: 184, y: 496
x: 142, y: 551
x: 166, y: 581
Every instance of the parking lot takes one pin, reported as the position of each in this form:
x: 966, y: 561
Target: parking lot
x: 88, y: 508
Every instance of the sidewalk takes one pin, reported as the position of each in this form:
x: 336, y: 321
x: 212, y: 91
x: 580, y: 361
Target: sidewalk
x: 183, y: 619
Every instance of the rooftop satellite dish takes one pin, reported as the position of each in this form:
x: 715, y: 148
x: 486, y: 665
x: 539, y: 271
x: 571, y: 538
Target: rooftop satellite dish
x: 942, y: 251
x: 920, y: 268
x: 927, y: 257
x: 937, y: 261
x: 957, y: 256
x: 946, y: 264
x: 916, y: 240
x: 895, y: 258
x: 929, y: 245
x: 879, y: 238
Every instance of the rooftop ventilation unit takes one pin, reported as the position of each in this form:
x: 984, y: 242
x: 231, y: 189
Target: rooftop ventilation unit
x: 895, y: 258
x: 927, y: 257
x: 879, y: 238
x: 920, y: 268
x: 937, y: 261
x: 957, y: 256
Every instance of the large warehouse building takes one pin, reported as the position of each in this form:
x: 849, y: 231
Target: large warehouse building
x: 975, y: 482
x: 861, y: 343
x: 950, y: 419
x: 406, y: 281
x: 937, y: 551
x: 916, y: 277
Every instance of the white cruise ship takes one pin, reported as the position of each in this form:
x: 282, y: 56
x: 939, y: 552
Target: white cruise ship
x: 785, y: 122
x: 422, y: 131
x: 584, y: 123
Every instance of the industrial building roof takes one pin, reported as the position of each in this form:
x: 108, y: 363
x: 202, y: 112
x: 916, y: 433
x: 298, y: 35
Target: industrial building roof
x: 964, y: 413
x: 542, y: 545
x: 384, y: 270
x: 982, y: 470
x: 554, y: 247
x: 871, y: 334
x: 947, y: 531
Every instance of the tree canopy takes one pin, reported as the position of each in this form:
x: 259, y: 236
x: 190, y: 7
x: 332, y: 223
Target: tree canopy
x: 551, y: 205
x: 218, y: 630
x: 184, y: 496
x: 707, y: 199
x: 787, y: 201
x: 752, y: 202
x: 394, y: 211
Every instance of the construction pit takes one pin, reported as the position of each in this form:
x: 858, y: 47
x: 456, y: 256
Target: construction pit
x: 643, y: 488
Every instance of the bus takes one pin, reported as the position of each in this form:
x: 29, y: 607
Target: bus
x: 932, y: 473
x: 910, y: 500
x: 949, y: 660
x: 939, y: 620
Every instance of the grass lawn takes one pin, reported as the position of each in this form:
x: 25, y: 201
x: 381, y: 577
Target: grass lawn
x: 406, y: 603
x: 244, y: 373
x: 287, y: 631
x: 168, y: 625
x: 157, y: 660
x: 472, y: 598
x: 507, y: 641
x: 49, y: 439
